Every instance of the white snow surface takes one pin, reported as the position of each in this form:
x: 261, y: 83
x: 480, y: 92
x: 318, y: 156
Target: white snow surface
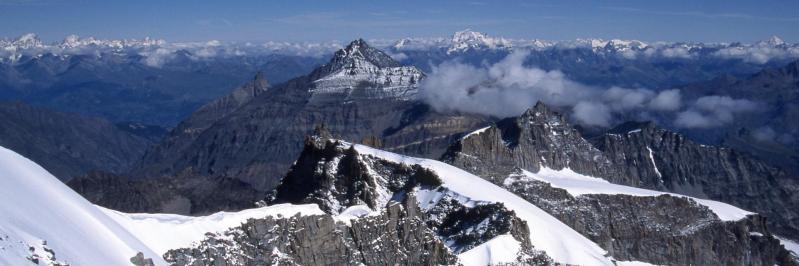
x: 633, y: 263
x: 577, y: 184
x: 790, y: 245
x: 547, y: 233
x: 162, y: 232
x: 501, y: 249
x: 476, y: 132
x: 37, y: 207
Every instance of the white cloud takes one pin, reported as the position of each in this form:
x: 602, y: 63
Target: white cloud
x: 508, y: 88
x: 668, y: 100
x: 713, y: 111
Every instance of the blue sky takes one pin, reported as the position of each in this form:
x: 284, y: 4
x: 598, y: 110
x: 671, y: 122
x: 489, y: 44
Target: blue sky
x: 301, y: 20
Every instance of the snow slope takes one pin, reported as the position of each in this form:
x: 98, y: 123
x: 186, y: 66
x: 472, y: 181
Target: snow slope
x: 501, y: 249
x: 162, y: 232
x: 547, y: 233
x: 578, y: 184
x: 36, y: 207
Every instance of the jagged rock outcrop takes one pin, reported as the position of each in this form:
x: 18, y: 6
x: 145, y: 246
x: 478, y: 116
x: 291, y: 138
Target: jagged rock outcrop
x: 67, y: 144
x: 539, y: 137
x: 663, y: 230
x: 335, y: 176
x: 655, y: 158
x: 360, y: 93
x: 397, y: 236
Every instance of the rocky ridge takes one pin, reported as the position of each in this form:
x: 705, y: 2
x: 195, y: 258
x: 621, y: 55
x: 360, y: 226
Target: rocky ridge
x: 540, y: 138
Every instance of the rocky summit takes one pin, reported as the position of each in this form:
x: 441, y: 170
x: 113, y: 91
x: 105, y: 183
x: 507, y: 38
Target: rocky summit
x: 633, y: 154
x: 361, y: 94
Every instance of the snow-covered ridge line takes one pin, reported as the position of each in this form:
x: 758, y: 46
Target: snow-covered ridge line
x: 547, y: 233
x: 11, y: 50
x: 577, y: 184
x: 163, y: 232
x: 462, y: 41
x: 35, y: 207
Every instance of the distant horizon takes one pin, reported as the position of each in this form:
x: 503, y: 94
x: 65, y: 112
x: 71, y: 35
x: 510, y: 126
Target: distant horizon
x: 713, y: 21
x: 56, y: 40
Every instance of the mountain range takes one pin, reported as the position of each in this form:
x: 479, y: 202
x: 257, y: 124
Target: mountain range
x: 346, y: 164
x: 164, y: 82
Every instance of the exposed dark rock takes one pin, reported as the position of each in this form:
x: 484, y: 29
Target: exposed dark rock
x: 395, y: 237
x: 655, y: 158
x: 335, y: 176
x: 636, y: 227
x: 539, y: 137
x: 140, y: 260
x: 663, y: 230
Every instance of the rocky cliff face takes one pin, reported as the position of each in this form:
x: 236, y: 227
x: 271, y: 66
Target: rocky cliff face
x: 190, y: 129
x: 539, y: 137
x: 397, y: 236
x: 655, y: 158
x: 663, y: 230
x: 67, y: 144
x: 634, y: 227
x: 360, y: 94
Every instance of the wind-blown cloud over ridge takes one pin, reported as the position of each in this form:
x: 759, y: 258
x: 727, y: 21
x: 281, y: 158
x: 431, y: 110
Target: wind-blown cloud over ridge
x: 508, y: 88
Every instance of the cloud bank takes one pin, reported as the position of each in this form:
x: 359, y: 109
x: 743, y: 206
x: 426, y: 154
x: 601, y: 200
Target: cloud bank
x: 508, y: 88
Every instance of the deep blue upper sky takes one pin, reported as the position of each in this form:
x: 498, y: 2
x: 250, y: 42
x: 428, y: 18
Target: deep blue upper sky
x: 301, y: 20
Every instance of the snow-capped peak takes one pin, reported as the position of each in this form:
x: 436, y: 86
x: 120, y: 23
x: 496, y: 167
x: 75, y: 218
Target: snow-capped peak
x: 402, y: 43
x: 626, y: 44
x: 469, y: 39
x: 359, y: 64
x: 772, y: 41
x: 27, y: 41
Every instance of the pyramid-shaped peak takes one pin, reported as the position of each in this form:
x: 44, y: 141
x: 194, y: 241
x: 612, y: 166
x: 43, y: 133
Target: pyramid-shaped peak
x: 775, y: 40
x: 360, y: 50
x: 772, y: 41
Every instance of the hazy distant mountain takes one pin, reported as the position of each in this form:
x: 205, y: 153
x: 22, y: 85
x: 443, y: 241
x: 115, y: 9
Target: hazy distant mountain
x: 68, y: 144
x: 157, y: 82
x: 771, y: 131
x: 132, y: 81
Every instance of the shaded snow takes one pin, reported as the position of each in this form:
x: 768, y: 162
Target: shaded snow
x: 790, y: 245
x: 547, y: 233
x: 476, y: 132
x: 654, y: 165
x: 37, y: 207
x: 578, y: 184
